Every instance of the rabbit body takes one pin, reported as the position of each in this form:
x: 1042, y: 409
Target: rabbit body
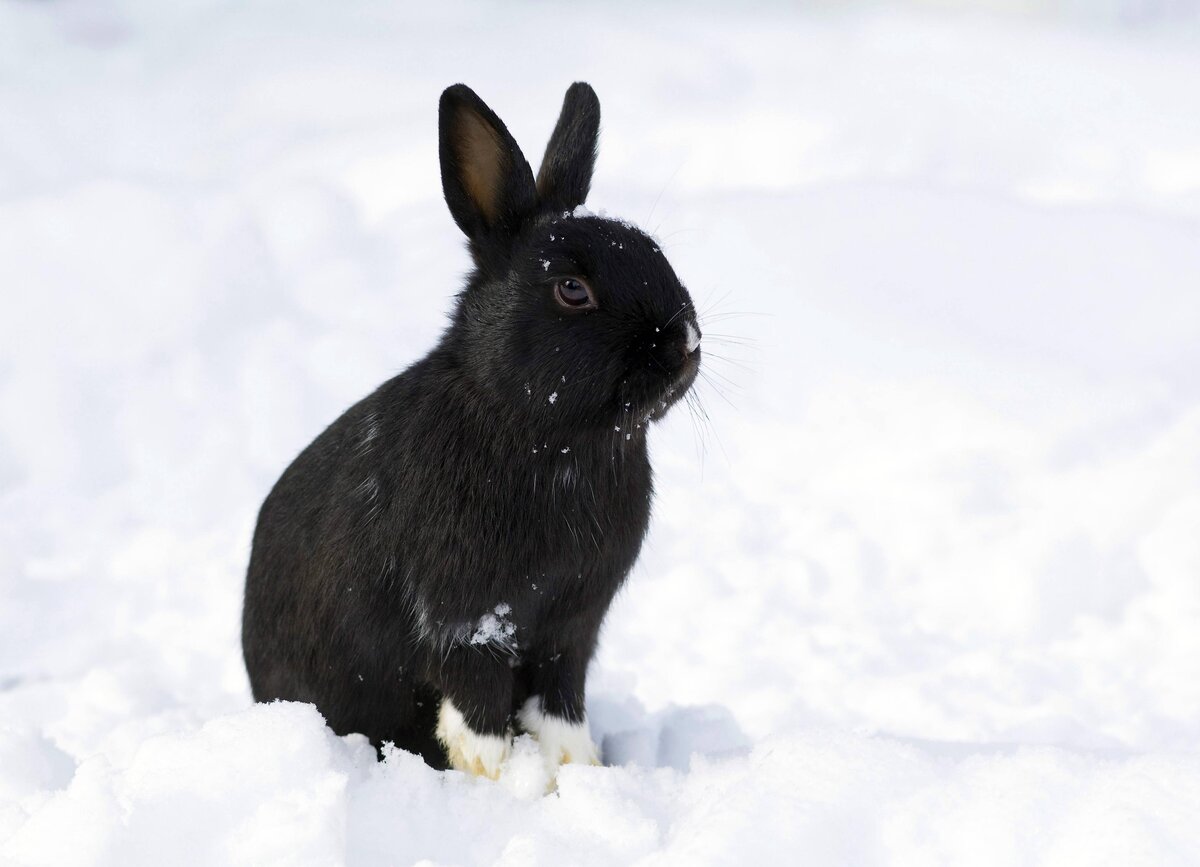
x: 433, y: 570
x: 399, y: 561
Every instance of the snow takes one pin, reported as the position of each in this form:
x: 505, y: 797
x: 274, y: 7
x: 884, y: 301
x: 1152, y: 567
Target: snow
x: 923, y: 586
x: 602, y: 214
x: 272, y: 784
x: 496, y: 628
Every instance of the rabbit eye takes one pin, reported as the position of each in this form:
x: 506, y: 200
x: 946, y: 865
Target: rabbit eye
x: 574, y: 294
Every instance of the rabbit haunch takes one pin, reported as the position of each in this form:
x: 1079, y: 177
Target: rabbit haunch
x: 434, y: 568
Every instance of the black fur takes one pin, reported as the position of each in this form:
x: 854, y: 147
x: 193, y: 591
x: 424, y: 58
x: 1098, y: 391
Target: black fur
x: 506, y: 468
x: 570, y: 157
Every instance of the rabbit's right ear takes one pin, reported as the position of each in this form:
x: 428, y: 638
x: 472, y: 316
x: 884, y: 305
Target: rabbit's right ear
x: 487, y: 183
x: 566, y: 172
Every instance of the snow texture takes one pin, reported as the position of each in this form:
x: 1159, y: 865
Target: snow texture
x: 496, y: 628
x: 924, y: 587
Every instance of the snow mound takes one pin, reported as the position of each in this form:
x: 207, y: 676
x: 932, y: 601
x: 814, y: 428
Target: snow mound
x: 273, y: 785
x: 921, y: 585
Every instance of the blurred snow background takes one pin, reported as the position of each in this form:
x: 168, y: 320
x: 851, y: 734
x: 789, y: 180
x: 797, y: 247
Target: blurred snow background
x: 926, y: 591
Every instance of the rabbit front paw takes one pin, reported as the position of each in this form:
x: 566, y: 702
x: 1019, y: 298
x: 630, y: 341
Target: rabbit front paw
x: 561, y: 742
x: 467, y: 750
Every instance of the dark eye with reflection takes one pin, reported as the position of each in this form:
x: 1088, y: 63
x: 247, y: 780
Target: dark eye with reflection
x: 574, y: 294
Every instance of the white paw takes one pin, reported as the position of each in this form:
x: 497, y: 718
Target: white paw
x: 467, y: 750
x: 561, y: 742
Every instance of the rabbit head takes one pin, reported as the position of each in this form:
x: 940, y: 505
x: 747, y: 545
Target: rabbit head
x: 569, y: 319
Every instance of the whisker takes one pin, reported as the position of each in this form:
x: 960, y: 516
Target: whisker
x: 665, y: 187
x: 725, y: 381
x: 697, y: 430
x: 711, y: 304
x: 725, y: 359
x: 682, y: 307
x: 709, y: 424
x: 720, y: 392
x: 729, y: 314
x: 730, y: 338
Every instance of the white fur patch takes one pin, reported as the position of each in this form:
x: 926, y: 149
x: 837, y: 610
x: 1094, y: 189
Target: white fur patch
x: 424, y: 623
x: 468, y: 751
x: 560, y: 742
x: 693, y: 337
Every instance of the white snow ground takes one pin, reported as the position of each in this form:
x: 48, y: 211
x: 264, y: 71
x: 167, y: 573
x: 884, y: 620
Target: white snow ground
x: 927, y: 593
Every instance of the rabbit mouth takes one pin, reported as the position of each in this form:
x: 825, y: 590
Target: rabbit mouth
x: 685, y: 377
x: 649, y: 399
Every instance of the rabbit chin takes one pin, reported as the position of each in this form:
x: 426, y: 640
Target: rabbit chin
x: 651, y: 400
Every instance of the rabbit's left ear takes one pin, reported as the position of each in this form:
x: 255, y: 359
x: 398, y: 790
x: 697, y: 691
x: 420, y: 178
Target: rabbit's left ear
x: 485, y: 179
x: 566, y: 172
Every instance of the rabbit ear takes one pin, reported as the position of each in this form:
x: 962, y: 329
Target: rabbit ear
x: 566, y: 172
x: 487, y: 183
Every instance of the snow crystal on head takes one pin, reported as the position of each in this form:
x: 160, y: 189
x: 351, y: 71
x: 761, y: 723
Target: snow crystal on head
x: 601, y: 214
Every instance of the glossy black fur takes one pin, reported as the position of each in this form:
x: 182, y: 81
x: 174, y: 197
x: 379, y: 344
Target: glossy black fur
x: 506, y: 468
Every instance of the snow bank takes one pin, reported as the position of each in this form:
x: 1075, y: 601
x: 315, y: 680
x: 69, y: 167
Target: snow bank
x: 924, y: 586
x: 273, y: 785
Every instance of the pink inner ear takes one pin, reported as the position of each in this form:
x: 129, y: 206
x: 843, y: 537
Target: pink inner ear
x: 481, y: 161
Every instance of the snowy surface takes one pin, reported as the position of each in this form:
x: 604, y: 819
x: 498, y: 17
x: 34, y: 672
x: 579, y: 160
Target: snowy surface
x: 927, y: 589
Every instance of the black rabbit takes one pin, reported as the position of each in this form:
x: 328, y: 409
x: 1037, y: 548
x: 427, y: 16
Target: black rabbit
x: 434, y: 568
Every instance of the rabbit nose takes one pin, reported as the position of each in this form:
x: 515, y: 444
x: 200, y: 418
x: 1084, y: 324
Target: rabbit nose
x: 691, y: 338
